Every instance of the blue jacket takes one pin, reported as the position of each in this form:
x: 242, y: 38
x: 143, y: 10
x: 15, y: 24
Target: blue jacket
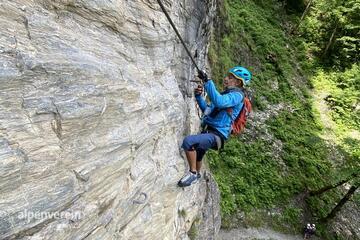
x: 221, y: 121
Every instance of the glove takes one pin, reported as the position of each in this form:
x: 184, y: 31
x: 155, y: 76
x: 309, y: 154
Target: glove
x: 198, y: 91
x: 203, y: 76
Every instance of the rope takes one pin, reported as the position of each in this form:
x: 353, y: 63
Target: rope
x: 183, y: 43
x: 177, y: 33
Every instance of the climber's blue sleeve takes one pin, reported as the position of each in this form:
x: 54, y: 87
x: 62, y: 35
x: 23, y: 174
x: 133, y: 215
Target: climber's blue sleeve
x: 222, y: 101
x: 201, y: 102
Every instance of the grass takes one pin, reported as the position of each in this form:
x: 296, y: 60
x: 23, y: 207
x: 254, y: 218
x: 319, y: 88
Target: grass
x: 250, y: 174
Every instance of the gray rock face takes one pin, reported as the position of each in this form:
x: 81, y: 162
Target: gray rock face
x: 346, y: 222
x: 95, y: 100
x: 210, y: 219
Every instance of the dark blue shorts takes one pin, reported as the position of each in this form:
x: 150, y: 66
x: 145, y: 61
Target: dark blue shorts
x: 200, y: 142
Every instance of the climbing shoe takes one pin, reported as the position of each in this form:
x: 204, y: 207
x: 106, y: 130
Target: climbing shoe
x: 188, y: 179
x: 198, y: 175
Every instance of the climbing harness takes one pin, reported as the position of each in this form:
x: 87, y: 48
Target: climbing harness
x: 178, y: 34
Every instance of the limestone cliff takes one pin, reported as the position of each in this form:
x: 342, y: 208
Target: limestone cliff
x: 95, y: 100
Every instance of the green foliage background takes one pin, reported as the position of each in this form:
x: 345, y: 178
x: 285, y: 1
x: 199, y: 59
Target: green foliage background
x: 258, y: 175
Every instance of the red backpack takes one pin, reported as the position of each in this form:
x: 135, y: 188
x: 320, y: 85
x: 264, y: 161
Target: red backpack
x: 238, y: 125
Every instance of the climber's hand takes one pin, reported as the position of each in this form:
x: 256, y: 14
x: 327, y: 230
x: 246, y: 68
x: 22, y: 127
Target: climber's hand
x: 203, y: 76
x: 198, y: 90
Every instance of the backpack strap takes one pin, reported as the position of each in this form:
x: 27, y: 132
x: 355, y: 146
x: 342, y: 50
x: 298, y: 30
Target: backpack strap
x: 230, y: 109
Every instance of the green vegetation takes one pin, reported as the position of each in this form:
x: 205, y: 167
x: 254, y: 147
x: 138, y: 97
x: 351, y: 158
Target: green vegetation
x: 331, y: 32
x: 270, y: 165
x: 341, y: 91
x: 193, y: 231
x: 182, y: 213
x: 343, y: 94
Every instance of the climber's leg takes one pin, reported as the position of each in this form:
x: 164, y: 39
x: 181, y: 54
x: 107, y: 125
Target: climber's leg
x: 195, y: 147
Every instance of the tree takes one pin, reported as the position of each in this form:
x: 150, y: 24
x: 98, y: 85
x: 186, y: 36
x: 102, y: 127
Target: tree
x: 332, y: 186
x: 352, y: 169
x: 341, y: 203
x: 303, y: 15
x: 332, y: 29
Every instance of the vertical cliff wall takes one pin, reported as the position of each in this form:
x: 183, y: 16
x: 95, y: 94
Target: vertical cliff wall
x: 95, y: 100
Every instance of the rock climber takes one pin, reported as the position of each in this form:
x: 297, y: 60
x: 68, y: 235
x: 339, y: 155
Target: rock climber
x: 216, y: 122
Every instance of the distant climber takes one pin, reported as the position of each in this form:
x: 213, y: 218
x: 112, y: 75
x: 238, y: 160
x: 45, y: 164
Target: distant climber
x: 309, y: 230
x: 219, y: 115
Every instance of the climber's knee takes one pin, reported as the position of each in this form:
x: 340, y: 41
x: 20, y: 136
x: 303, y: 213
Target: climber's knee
x: 188, y: 143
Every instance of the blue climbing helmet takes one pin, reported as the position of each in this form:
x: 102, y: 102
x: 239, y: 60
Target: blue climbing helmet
x: 241, y: 73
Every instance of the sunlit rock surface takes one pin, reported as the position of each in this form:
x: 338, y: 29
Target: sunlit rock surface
x: 95, y: 101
